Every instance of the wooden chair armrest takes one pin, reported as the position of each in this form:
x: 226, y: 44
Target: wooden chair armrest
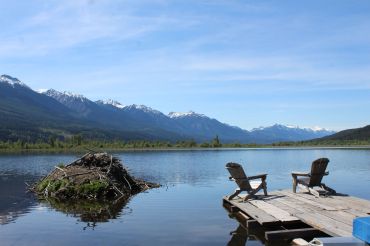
x: 301, y: 174
x: 260, y: 176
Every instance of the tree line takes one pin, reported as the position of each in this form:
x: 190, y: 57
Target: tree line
x: 77, y: 141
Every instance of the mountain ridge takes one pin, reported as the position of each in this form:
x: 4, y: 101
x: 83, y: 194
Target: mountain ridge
x: 135, y: 120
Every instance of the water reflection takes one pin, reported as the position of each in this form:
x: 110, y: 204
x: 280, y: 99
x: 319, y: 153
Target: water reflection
x: 186, y: 211
x: 207, y: 168
x: 243, y: 236
x: 91, y: 212
x: 15, y: 201
x: 239, y: 237
x: 14, y: 198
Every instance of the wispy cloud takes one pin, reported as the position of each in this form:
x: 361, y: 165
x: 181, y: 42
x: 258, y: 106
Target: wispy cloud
x: 194, y: 52
x: 69, y: 24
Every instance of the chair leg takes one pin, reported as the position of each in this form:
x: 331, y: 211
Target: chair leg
x: 247, y: 197
x: 264, y: 185
x: 250, y: 195
x: 237, y: 192
x: 294, y: 184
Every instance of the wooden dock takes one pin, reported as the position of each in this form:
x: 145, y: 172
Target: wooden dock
x: 285, y: 215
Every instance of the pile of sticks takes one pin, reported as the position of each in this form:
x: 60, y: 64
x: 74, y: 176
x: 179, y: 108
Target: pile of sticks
x: 94, y: 176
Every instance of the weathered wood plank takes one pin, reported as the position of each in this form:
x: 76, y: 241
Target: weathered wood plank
x: 318, y: 219
x: 347, y: 211
x: 242, y: 218
x: 327, y: 201
x: 276, y: 212
x: 291, y: 210
x: 257, y: 214
x: 354, y: 202
x: 306, y: 200
x: 234, y: 209
x: 327, y: 225
x: 332, y: 215
x: 293, y: 233
x: 354, y: 209
x: 252, y: 224
x: 340, y: 205
x: 340, y: 202
x: 339, y: 215
x: 295, y: 209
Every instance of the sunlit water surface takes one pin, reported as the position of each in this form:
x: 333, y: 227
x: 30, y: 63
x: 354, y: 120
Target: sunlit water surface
x: 186, y: 210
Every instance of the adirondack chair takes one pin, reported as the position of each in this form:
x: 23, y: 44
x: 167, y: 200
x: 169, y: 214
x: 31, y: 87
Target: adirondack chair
x: 238, y: 175
x: 313, y: 178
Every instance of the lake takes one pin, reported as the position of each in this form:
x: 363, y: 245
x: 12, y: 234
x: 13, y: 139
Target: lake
x: 186, y: 210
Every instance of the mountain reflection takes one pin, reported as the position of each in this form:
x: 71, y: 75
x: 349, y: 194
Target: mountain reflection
x: 14, y: 199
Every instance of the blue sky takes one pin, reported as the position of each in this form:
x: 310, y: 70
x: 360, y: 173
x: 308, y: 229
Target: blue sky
x: 246, y: 63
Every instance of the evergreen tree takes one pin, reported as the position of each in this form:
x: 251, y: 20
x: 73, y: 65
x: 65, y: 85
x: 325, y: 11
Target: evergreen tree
x: 216, y: 142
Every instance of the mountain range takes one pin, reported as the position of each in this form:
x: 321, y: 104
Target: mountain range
x: 30, y: 115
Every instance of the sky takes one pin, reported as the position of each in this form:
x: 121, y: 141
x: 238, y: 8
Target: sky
x: 245, y: 63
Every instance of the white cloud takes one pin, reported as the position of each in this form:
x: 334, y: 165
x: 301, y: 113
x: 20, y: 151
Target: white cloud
x: 194, y: 47
x: 67, y: 24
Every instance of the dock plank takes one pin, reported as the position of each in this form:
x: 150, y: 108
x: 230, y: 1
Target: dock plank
x: 340, y: 203
x: 327, y: 225
x: 318, y: 219
x: 307, y: 200
x: 291, y: 210
x: 356, y: 203
x: 293, y: 233
x: 277, y: 212
x: 257, y: 214
x: 326, y: 201
x: 345, y: 208
x: 338, y: 215
x: 332, y: 215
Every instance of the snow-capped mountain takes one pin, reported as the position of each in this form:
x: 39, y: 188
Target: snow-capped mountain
x: 28, y: 115
x: 112, y: 114
x: 75, y: 102
x: 64, y: 97
x: 206, y: 128
x: 111, y: 102
x: 281, y: 133
x: 6, y: 79
x: 186, y: 114
x: 111, y: 119
x: 108, y: 113
x: 142, y: 108
x: 133, y: 107
x: 281, y: 126
x: 152, y: 118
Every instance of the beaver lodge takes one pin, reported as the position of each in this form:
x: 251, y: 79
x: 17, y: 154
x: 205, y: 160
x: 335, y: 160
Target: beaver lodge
x: 94, y: 176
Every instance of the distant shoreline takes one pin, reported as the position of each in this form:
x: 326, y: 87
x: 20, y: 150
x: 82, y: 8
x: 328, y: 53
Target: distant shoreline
x: 84, y: 150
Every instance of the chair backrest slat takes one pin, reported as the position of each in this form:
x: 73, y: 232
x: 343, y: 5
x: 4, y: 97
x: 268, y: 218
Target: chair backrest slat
x: 318, y: 171
x: 237, y: 172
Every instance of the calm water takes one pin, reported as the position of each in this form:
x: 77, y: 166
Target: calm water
x: 187, y: 210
